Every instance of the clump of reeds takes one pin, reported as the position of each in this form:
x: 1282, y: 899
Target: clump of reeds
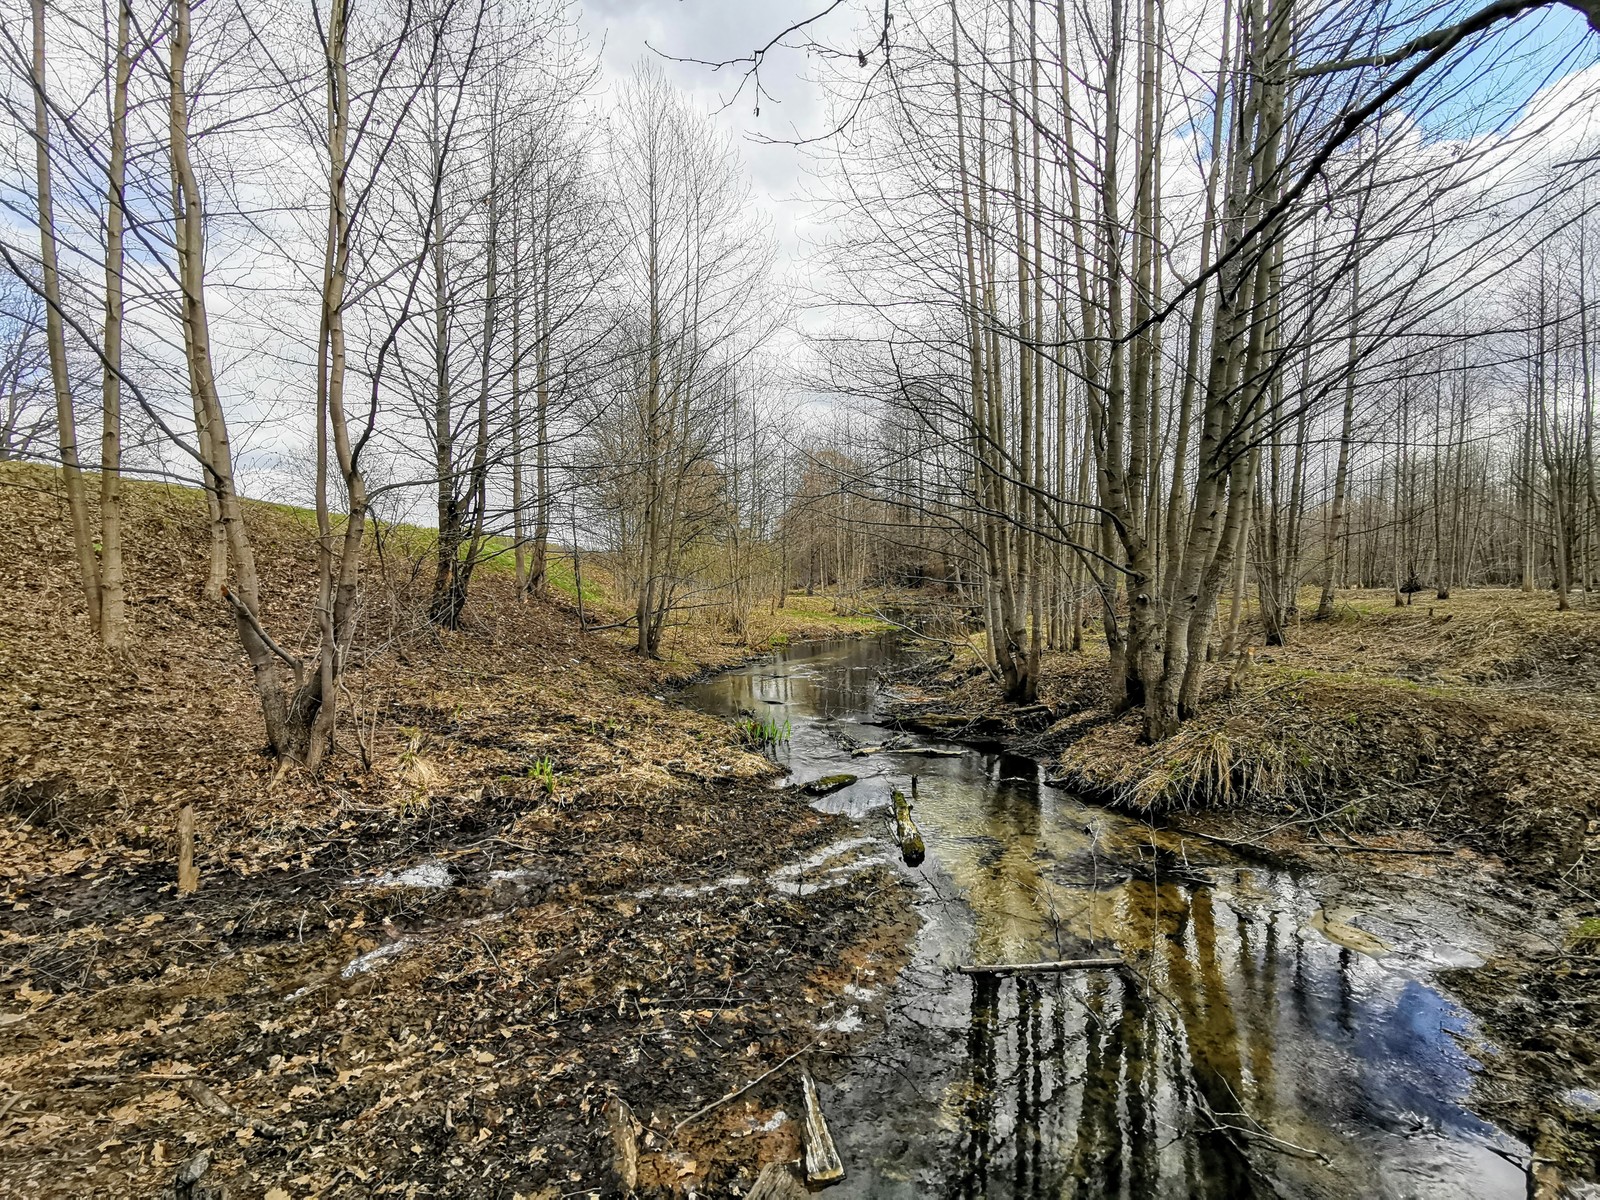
x: 762, y: 732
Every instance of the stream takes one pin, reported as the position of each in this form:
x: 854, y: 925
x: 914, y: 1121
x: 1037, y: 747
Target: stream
x: 1281, y: 1036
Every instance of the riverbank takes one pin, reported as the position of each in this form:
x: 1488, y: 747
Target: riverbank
x: 1306, y: 1000
x: 427, y: 973
x: 1454, y: 742
x: 1473, y: 721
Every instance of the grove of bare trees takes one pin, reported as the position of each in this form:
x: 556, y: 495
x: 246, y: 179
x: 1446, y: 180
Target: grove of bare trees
x: 1135, y: 312
x: 397, y: 262
x: 1192, y: 304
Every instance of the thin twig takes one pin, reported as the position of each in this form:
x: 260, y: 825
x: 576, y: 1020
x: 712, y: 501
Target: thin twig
x: 737, y: 1092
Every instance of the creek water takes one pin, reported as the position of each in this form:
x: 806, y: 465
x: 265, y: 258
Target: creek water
x: 1280, y: 1035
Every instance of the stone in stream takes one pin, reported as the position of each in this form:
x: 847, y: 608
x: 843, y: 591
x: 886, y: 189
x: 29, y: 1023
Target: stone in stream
x: 1338, y: 929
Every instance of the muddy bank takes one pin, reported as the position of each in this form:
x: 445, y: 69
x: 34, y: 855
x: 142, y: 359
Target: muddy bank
x: 1471, y: 722
x: 442, y: 998
x: 451, y: 1018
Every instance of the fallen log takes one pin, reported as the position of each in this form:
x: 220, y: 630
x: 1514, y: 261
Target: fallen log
x: 932, y: 752
x: 1071, y: 964
x: 822, y: 1160
x: 938, y: 720
x: 906, y: 834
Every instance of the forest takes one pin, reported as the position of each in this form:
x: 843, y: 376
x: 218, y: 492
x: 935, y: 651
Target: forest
x: 975, y: 597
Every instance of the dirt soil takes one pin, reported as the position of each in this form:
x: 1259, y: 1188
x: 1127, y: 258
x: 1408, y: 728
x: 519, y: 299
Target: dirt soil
x: 426, y: 972
x: 1449, y: 740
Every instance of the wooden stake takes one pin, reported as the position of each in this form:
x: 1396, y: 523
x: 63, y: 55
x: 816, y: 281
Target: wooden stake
x: 188, y: 873
x: 624, y: 1145
x: 822, y: 1160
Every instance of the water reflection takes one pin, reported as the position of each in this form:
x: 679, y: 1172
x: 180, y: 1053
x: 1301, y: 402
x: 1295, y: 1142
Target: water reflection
x: 1248, y: 1054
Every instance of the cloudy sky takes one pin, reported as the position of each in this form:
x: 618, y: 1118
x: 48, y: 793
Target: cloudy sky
x: 718, y: 30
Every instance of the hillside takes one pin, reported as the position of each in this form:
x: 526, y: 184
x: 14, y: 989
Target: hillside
x: 412, y: 974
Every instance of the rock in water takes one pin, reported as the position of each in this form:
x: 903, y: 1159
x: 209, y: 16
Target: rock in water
x: 827, y: 785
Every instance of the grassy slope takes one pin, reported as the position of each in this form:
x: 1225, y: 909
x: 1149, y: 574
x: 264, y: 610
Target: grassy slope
x: 112, y: 987
x: 72, y: 722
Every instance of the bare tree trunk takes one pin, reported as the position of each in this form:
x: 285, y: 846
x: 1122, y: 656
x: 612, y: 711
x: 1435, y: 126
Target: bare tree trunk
x: 244, y: 592
x: 113, y: 592
x: 538, y: 567
x: 519, y: 539
x: 66, y: 419
x: 1552, y: 465
x: 1586, y: 366
x: 1341, y: 475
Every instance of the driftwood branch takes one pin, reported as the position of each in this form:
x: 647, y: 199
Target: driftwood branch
x: 1073, y: 964
x: 738, y: 1091
x: 822, y: 1159
x: 906, y: 834
x: 209, y: 1100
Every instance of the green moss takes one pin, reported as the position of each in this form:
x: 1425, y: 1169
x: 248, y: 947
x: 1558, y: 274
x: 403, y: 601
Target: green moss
x: 1585, y: 936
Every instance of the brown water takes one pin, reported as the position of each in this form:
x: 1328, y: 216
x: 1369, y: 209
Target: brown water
x: 1280, y: 1037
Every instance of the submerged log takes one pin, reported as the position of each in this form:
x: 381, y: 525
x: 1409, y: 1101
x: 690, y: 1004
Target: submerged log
x: 1071, y: 964
x: 906, y: 833
x: 822, y: 1160
x: 934, y: 720
x: 827, y: 784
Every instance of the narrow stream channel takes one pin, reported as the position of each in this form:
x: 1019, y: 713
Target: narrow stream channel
x: 1294, y: 1009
